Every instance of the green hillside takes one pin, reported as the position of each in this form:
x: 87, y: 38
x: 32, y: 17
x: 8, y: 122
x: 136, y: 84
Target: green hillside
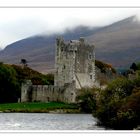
x: 11, y: 78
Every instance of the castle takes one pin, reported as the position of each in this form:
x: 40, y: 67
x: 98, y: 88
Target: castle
x: 74, y: 69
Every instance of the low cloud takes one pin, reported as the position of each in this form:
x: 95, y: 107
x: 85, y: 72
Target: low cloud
x: 19, y: 23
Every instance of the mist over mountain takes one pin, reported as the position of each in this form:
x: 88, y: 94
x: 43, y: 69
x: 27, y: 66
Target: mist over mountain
x: 39, y: 50
x: 118, y: 44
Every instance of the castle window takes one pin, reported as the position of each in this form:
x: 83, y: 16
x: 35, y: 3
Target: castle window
x: 64, y: 67
x: 89, y: 56
x: 58, y: 90
x: 57, y: 70
x: 57, y: 51
x: 61, y: 49
x: 90, y: 76
x: 48, y: 99
x: 72, y: 94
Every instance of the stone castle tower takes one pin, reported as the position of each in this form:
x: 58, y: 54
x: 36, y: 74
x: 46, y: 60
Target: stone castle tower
x: 74, y: 63
x: 75, y: 68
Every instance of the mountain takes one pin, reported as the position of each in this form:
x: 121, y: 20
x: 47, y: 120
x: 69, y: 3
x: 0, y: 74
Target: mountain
x: 118, y: 44
x: 39, y: 50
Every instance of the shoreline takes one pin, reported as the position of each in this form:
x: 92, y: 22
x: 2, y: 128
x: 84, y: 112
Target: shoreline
x: 50, y: 107
x: 56, y: 111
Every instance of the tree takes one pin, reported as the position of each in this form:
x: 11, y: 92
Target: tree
x: 87, y: 99
x: 9, y: 86
x: 138, y: 66
x: 118, y: 105
x: 110, y: 102
x: 24, y: 62
x: 133, y: 67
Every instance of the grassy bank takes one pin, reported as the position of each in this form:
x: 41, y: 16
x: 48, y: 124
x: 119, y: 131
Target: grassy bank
x: 53, y: 107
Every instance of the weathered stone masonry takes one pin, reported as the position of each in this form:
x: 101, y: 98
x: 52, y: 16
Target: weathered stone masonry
x: 46, y: 93
x: 75, y: 68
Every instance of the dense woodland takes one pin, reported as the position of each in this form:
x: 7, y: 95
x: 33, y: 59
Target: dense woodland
x: 11, y: 78
x: 118, y: 105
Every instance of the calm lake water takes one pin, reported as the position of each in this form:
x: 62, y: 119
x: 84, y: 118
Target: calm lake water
x: 47, y: 121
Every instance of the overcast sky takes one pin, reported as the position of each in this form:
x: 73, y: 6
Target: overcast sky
x: 19, y: 23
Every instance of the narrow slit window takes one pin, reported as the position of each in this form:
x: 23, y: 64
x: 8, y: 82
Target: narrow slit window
x: 90, y: 76
x: 90, y: 56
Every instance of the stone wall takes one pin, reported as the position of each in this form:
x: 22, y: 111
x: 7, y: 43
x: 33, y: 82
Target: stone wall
x: 47, y: 93
x: 26, y: 91
x: 44, y: 93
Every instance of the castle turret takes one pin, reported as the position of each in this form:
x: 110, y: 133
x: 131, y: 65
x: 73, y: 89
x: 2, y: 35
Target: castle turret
x: 75, y: 61
x: 26, y: 91
x: 64, y: 62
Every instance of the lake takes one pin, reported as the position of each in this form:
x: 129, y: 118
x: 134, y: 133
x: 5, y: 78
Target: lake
x: 47, y: 121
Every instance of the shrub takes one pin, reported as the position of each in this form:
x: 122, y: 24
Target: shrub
x: 109, y: 109
x: 103, y: 66
x: 87, y: 99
